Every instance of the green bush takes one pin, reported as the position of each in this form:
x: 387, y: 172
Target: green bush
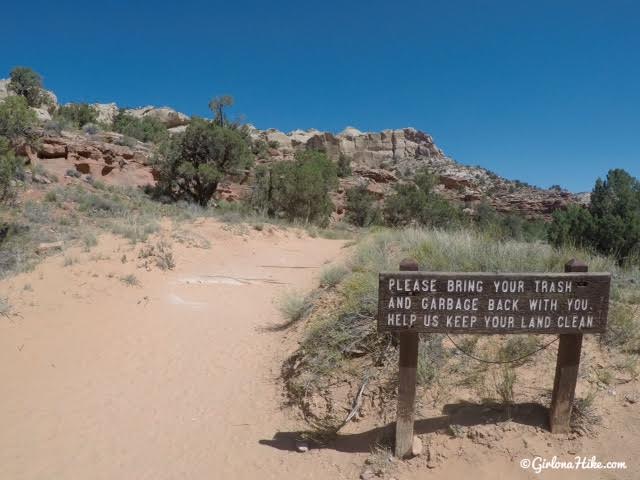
x: 571, y: 226
x: 77, y: 114
x: 417, y: 203
x: 362, y: 207
x: 28, y: 84
x: 145, y: 129
x: 611, y: 224
x: 297, y: 190
x: 10, y: 167
x: 508, y: 226
x: 16, y: 119
x: 190, y: 165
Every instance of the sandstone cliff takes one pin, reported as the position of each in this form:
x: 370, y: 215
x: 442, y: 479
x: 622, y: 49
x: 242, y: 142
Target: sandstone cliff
x: 383, y: 158
x: 379, y: 159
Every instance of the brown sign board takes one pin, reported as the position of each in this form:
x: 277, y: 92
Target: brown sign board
x: 493, y: 303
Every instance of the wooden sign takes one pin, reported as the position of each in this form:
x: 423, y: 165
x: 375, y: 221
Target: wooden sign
x: 493, y: 303
x: 570, y: 304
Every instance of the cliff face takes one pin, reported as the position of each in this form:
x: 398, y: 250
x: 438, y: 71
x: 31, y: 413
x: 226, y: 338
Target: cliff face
x: 379, y: 160
x: 383, y: 158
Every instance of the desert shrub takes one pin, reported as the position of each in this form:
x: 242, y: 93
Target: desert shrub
x: 146, y: 129
x: 89, y: 240
x: 297, y: 190
x: 293, y: 305
x: 260, y: 148
x: 161, y: 252
x: 331, y: 276
x: 16, y: 119
x: 417, y: 203
x: 130, y: 280
x: 56, y: 126
x: 190, y: 165
x: 431, y: 358
x: 362, y: 207
x: 77, y: 114
x: 135, y: 229
x: 510, y: 226
x: 90, y: 128
x: 262, y: 190
x: 504, y: 383
x: 574, y: 225
x: 27, y: 83
x: 517, y: 348
x: 623, y: 329
x: 611, y: 224
x: 10, y: 168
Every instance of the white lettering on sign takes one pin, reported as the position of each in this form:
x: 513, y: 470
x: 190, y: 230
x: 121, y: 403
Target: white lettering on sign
x: 493, y: 303
x: 509, y: 286
x: 410, y: 285
x: 464, y: 286
x: 508, y: 304
x: 547, y: 286
x: 543, y: 304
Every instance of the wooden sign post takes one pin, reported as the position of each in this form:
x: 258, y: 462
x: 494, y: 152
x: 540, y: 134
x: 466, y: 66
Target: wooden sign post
x: 570, y: 304
x: 567, y: 365
x: 409, y: 342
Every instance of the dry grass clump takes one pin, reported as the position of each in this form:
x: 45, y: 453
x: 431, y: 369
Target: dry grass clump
x: 293, y: 306
x: 332, y: 275
x: 130, y: 280
x: 161, y: 253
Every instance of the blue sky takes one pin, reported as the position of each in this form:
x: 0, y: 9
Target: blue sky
x: 546, y: 92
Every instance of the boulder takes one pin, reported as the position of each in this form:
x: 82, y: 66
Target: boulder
x: 178, y: 129
x: 165, y: 115
x: 48, y: 247
x: 378, y: 175
x: 52, y: 150
x: 106, y: 112
x: 42, y: 114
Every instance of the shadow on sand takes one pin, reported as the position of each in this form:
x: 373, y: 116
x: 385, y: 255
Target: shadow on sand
x: 463, y: 414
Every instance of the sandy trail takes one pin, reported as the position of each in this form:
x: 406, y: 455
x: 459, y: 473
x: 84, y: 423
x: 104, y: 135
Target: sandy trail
x: 172, y: 379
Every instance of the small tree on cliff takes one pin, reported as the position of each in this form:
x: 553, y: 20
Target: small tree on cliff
x: 191, y: 165
x: 217, y: 106
x: 16, y: 119
x: 28, y: 84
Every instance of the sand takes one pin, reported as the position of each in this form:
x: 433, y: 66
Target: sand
x: 175, y: 378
